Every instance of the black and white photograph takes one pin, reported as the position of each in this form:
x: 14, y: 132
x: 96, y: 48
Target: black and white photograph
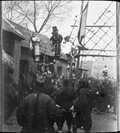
x: 59, y: 66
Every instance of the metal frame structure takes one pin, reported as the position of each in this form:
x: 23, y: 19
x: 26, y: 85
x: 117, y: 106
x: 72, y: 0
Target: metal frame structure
x: 89, y: 29
x: 105, y: 33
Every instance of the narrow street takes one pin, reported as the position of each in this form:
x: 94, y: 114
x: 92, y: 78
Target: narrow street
x: 101, y: 123
x: 63, y: 53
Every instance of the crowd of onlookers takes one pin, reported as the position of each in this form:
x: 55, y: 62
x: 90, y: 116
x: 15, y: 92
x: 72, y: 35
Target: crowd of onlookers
x: 62, y: 93
x: 106, y: 89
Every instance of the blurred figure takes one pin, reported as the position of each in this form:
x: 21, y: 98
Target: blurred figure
x: 39, y: 82
x: 105, y: 71
x: 10, y: 95
x: 23, y: 86
x: 49, y: 74
x: 83, y: 107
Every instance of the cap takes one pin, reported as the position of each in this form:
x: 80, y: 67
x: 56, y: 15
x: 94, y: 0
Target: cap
x: 54, y: 29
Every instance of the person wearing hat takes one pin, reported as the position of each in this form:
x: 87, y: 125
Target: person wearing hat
x: 56, y: 41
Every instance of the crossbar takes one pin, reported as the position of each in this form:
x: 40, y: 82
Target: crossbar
x: 95, y: 55
x: 100, y: 50
x: 95, y: 26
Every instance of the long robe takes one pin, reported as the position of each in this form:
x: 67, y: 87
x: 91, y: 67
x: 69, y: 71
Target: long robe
x: 47, y: 114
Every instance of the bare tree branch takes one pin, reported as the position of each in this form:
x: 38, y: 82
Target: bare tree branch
x: 35, y: 11
x: 35, y: 17
x: 26, y: 15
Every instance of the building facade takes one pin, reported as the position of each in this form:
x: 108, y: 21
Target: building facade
x: 11, y: 41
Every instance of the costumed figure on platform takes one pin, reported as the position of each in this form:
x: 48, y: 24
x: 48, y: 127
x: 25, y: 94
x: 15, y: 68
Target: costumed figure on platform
x: 56, y: 41
x: 34, y: 45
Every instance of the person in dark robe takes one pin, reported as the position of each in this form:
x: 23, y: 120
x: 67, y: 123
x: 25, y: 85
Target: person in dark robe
x: 37, y: 112
x: 83, y: 108
x: 56, y: 41
x: 23, y: 86
x: 65, y: 101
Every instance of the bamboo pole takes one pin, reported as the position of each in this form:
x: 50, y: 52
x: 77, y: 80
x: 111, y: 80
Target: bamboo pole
x: 78, y: 59
x: 96, y: 55
x: 118, y: 64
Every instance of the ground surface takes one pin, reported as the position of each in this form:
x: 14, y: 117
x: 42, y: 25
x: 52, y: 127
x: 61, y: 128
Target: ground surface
x: 100, y: 123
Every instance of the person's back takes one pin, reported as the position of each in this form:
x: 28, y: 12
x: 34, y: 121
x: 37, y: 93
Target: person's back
x: 47, y: 113
x: 65, y: 101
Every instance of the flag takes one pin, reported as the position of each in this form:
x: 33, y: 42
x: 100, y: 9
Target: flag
x: 82, y: 27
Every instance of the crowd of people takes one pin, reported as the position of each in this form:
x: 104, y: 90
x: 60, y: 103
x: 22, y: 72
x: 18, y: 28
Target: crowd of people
x: 106, y: 91
x: 48, y: 99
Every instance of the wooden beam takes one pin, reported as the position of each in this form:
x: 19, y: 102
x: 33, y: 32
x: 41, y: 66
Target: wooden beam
x: 100, y: 50
x: 95, y: 55
x: 101, y: 26
x: 96, y: 26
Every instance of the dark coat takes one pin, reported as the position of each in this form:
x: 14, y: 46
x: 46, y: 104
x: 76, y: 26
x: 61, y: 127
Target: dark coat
x: 83, y: 109
x: 23, y: 86
x: 65, y: 100
x: 47, y: 114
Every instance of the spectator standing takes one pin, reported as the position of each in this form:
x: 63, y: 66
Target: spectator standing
x: 10, y: 95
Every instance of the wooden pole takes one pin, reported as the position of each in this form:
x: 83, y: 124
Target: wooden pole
x: 117, y: 97
x: 70, y: 77
x: 78, y: 59
x: 1, y: 76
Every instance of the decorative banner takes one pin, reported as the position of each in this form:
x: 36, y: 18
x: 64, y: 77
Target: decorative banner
x: 83, y: 20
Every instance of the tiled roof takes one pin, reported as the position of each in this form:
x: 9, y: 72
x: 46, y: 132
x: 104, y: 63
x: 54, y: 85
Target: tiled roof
x: 7, y: 26
x: 45, y: 41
